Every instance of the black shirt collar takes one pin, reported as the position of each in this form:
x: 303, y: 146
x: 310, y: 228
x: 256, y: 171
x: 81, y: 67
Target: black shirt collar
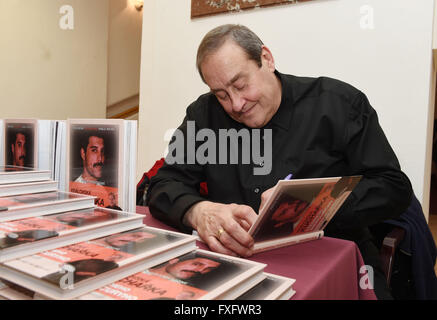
x: 282, y: 117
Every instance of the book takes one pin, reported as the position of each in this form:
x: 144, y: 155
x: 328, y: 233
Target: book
x: 35, y: 143
x: 197, y: 275
x: 298, y: 210
x: 14, y: 174
x: 101, y: 161
x: 71, y: 271
x: 273, y: 287
x: 44, y: 203
x: 21, y: 142
x: 11, y: 291
x: 14, y: 189
x: 58, y: 158
x: 32, y: 143
x: 24, y: 237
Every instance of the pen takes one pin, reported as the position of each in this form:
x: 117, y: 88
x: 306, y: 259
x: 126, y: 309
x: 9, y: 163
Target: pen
x: 288, y: 177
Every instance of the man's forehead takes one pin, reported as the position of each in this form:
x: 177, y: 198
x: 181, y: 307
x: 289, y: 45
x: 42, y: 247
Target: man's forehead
x: 230, y: 57
x: 205, y: 261
x: 20, y: 136
x: 95, y: 140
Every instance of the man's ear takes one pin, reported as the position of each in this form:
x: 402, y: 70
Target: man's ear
x: 267, y: 58
x: 82, y: 154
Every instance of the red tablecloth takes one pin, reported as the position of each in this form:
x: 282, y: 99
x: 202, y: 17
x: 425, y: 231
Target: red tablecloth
x: 324, y: 269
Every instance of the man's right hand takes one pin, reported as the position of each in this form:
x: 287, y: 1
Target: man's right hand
x: 223, y: 226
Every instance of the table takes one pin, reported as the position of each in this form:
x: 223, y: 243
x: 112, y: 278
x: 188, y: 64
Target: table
x: 325, y: 269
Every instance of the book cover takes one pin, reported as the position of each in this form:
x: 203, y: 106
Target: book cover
x: 74, y: 270
x: 197, y: 275
x: 299, y: 210
x: 273, y: 287
x: 21, y: 142
x: 94, y: 160
x: 44, y: 203
x: 23, y: 237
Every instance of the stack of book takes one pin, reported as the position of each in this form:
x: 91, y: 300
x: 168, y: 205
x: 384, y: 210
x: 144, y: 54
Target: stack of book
x: 94, y: 157
x: 83, y: 240
x: 60, y: 245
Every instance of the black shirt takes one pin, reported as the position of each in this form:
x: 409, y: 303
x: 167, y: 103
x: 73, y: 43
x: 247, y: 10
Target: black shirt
x: 323, y: 128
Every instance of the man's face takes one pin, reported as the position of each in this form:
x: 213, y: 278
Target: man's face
x: 191, y: 267
x: 127, y: 238
x: 74, y: 217
x: 19, y: 150
x: 248, y: 93
x: 93, y: 158
x: 289, y: 211
x: 112, y: 201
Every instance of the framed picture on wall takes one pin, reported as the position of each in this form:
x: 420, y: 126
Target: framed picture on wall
x: 201, y: 8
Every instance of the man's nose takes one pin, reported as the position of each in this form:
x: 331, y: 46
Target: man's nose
x: 238, y: 102
x: 200, y: 268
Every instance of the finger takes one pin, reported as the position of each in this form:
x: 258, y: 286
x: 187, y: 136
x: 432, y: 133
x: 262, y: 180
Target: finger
x: 236, y: 238
x: 245, y: 216
x: 228, y: 241
x: 215, y: 245
x: 244, y: 224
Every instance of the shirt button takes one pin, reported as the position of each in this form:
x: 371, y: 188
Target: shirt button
x: 256, y: 190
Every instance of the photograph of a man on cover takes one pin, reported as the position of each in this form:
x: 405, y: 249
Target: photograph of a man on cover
x: 85, y: 217
x: 16, y: 238
x: 283, y: 216
x: 198, y: 270
x: 94, y: 162
x: 19, y: 144
x: 89, y: 267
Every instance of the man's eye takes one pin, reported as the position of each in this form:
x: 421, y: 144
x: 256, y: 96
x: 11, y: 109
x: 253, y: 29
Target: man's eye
x: 221, y: 96
x: 240, y: 86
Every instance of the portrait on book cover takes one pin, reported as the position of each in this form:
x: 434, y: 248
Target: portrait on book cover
x: 281, y: 217
x: 93, y: 164
x: 20, y: 144
x: 199, y: 270
x: 81, y: 218
x: 138, y: 241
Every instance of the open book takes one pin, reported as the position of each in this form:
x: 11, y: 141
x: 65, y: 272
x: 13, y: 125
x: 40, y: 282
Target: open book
x: 298, y: 210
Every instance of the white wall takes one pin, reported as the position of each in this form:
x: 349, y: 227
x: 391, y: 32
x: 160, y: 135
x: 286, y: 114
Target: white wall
x: 435, y: 27
x: 391, y: 63
x: 124, y: 50
x: 47, y: 72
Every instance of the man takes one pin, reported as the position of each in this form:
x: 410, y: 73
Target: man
x: 123, y: 240
x: 16, y: 238
x: 18, y: 149
x: 112, y: 202
x: 85, y: 217
x: 186, y: 268
x: 93, y: 160
x: 320, y: 127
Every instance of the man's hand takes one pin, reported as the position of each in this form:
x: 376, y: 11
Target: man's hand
x: 264, y: 197
x: 223, y: 226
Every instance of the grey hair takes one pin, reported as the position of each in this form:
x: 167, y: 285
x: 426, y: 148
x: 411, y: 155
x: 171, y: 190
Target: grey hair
x: 241, y: 35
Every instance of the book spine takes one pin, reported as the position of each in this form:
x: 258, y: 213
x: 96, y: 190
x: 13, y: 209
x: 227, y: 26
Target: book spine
x: 261, y: 247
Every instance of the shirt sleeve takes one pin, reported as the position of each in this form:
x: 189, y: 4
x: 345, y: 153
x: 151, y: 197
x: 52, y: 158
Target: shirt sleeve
x: 384, y: 191
x: 176, y: 186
